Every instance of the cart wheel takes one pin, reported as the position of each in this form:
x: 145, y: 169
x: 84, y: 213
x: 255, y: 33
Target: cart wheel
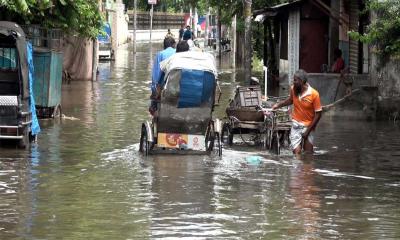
x: 286, y: 139
x: 218, y: 143
x: 210, y: 135
x: 276, y: 148
x: 227, y: 136
x: 144, y: 143
x: 269, y: 139
x: 57, y: 111
x: 264, y: 140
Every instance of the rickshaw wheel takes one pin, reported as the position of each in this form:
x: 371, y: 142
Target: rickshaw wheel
x: 210, y: 136
x: 217, y: 138
x: 209, y: 143
x: 264, y: 140
x: 275, y: 145
x: 227, y: 136
x: 269, y: 137
x: 144, y: 143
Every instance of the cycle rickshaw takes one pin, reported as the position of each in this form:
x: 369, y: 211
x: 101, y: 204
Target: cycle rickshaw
x: 183, y: 121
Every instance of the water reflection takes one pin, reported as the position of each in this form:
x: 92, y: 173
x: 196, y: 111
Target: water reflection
x: 305, y: 196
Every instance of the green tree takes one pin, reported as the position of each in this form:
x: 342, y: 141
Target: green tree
x: 80, y: 17
x: 384, y: 31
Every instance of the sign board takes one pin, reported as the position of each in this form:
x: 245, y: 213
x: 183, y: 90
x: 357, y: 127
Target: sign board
x: 181, y: 141
x: 152, y: 1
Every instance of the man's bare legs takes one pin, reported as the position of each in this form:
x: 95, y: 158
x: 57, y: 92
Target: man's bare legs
x: 307, y: 147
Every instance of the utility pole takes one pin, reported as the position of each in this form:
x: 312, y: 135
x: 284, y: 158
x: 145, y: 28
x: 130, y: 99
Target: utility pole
x: 134, y: 24
x: 151, y: 20
x: 233, y: 45
x: 247, y: 40
x: 219, y: 35
x: 190, y: 17
x: 206, y: 30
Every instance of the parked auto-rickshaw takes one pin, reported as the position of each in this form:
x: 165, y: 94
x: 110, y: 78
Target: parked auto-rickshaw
x: 15, y: 85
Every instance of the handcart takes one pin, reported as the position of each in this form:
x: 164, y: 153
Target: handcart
x: 243, y: 115
x: 183, y: 121
x: 248, y: 114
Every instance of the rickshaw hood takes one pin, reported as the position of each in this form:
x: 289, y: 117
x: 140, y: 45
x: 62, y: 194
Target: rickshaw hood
x: 190, y: 60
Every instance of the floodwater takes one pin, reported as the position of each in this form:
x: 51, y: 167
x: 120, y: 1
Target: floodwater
x: 85, y: 179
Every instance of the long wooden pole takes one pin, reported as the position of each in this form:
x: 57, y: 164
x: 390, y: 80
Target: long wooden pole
x: 151, y: 20
x: 247, y: 40
x: 328, y: 107
x: 234, y: 42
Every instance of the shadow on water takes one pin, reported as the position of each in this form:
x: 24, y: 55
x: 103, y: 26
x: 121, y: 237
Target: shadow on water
x: 85, y: 179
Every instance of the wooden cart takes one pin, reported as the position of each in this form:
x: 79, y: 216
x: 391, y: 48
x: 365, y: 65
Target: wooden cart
x: 248, y: 114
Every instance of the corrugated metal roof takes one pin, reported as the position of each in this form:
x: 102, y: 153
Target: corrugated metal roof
x: 288, y: 4
x: 261, y: 14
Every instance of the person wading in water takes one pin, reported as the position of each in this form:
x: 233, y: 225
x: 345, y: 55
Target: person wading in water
x: 306, y: 112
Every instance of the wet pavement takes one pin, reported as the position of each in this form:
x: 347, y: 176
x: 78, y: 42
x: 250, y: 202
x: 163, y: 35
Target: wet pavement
x: 85, y: 179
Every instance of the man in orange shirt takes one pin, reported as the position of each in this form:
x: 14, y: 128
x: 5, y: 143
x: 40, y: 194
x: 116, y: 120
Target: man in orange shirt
x: 306, y: 112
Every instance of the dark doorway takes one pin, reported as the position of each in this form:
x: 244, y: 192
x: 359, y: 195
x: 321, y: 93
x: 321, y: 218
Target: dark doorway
x: 313, y: 44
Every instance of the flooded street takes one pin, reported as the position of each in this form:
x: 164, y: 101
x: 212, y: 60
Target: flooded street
x: 85, y: 179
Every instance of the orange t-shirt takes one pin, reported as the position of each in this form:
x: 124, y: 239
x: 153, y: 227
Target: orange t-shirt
x: 305, y: 106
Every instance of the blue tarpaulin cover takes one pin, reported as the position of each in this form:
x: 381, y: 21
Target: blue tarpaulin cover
x: 35, y: 123
x: 107, y: 34
x: 196, y: 87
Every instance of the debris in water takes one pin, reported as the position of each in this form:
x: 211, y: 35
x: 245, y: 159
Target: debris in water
x: 253, y: 160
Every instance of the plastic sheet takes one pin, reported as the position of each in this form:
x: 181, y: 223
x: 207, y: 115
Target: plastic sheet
x: 35, y: 123
x: 196, y: 87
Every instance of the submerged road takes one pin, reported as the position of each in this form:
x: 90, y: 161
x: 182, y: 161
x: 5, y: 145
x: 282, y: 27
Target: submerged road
x: 85, y: 179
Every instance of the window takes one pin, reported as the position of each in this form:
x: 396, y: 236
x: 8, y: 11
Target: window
x: 8, y: 58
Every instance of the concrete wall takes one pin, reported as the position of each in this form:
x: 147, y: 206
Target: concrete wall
x: 327, y: 83
x: 387, y: 79
x: 156, y: 35
x: 361, y: 105
x: 119, y: 25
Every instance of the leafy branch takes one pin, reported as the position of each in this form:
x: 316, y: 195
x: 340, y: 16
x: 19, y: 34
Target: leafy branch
x: 80, y: 17
x: 384, y: 31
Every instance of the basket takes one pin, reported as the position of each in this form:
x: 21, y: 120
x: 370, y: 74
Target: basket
x: 245, y: 114
x: 247, y: 97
